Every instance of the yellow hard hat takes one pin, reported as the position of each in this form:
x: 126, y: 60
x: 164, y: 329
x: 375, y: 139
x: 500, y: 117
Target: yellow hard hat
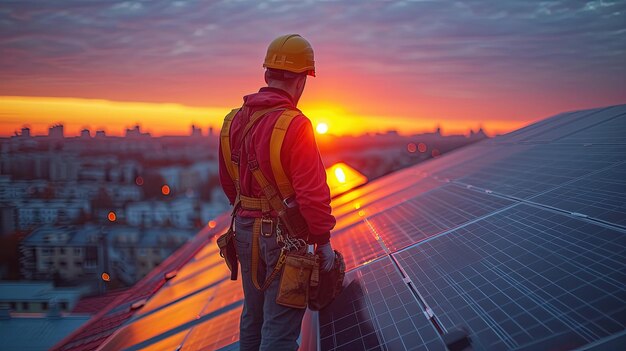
x: 292, y: 53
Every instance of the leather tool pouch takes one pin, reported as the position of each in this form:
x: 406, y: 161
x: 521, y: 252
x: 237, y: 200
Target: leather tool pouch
x: 226, y: 243
x: 329, y: 286
x: 293, y: 290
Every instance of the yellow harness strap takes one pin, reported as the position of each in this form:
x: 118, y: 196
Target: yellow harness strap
x: 276, y: 142
x: 231, y: 166
x: 233, y: 170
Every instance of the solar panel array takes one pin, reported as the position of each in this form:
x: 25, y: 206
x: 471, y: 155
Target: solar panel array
x: 520, y: 240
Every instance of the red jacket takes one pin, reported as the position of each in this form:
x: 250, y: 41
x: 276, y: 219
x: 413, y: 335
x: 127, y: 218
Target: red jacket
x: 299, y: 155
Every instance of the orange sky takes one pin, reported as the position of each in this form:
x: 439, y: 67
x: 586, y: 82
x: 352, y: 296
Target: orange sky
x: 174, y: 119
x: 405, y: 66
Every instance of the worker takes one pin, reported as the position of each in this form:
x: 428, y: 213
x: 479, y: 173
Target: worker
x: 265, y: 324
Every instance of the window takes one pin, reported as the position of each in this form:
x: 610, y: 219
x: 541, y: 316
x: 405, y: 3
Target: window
x: 61, y: 250
x: 77, y: 251
x: 63, y: 263
x: 44, y: 306
x: 63, y: 305
x: 25, y: 306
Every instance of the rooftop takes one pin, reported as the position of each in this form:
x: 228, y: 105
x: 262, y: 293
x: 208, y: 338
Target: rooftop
x: 520, y: 240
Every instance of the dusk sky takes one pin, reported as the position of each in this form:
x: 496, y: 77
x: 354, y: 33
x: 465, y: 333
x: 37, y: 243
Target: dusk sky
x: 403, y: 65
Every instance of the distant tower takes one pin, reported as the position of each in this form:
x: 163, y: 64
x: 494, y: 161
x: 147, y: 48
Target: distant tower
x: 135, y: 132
x: 210, y: 131
x: 438, y: 131
x: 196, y: 132
x: 100, y: 134
x: 85, y: 134
x: 56, y: 131
x: 25, y: 132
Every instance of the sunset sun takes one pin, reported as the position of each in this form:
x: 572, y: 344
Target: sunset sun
x: 322, y: 128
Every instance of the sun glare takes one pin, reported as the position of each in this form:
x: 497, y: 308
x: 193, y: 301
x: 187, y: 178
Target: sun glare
x: 341, y: 176
x: 322, y: 128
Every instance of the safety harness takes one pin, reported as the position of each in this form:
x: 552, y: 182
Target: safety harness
x: 274, y: 199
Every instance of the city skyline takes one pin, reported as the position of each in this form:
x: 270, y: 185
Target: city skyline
x: 192, y: 130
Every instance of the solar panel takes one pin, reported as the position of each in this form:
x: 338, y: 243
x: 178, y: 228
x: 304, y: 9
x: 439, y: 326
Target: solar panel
x: 610, y: 131
x: 154, y: 324
x: 540, y: 127
x: 214, y: 334
x: 589, y: 120
x: 377, y: 311
x: 601, y: 195
x: 525, y: 278
x: 382, y: 188
x: 357, y: 244
x: 354, y: 211
x: 542, y: 168
x: 433, y: 212
x: 576, y: 121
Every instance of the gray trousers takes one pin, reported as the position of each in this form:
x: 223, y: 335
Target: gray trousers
x: 264, y: 325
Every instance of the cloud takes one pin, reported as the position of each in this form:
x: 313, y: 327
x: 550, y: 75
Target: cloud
x: 481, y: 43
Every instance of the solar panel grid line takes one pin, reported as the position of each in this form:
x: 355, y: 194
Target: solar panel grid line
x: 510, y: 343
x: 512, y: 318
x: 178, y: 316
x: 394, y: 315
x: 600, y: 345
x: 515, y: 135
x: 458, y: 227
x: 447, y: 207
x: 530, y: 202
x: 140, y: 315
x: 612, y: 132
x: 561, y: 316
x: 573, y: 253
x: 199, y: 319
x: 375, y: 322
x: 220, y: 332
x: 375, y: 204
x: 418, y: 296
x: 377, y: 236
x: 527, y: 172
x: 618, y: 115
x: 583, y: 195
x: 561, y: 123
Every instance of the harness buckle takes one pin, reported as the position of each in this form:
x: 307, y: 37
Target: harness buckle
x: 253, y: 165
x: 267, y: 227
x: 234, y: 158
